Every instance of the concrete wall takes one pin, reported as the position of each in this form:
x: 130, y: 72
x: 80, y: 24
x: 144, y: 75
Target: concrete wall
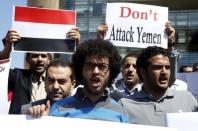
x: 44, y: 3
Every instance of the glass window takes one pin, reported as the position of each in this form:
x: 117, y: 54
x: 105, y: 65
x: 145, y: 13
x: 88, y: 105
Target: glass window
x: 82, y: 8
x: 82, y: 23
x: 193, y: 23
x: 181, y: 37
x: 182, y: 16
x: 94, y: 21
x: 97, y: 8
x: 193, y: 15
x: 182, y: 23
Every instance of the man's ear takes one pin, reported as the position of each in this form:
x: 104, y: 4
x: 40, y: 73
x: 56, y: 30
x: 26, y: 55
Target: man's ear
x: 49, y: 61
x: 73, y: 84
x: 27, y: 58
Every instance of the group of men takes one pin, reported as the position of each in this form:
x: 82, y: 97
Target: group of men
x: 28, y: 85
x: 144, y: 95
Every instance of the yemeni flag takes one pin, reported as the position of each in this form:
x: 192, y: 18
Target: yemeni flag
x: 43, y: 30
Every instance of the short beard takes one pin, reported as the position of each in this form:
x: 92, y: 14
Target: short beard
x: 101, y: 91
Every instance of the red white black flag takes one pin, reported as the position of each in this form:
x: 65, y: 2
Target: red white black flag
x: 43, y: 29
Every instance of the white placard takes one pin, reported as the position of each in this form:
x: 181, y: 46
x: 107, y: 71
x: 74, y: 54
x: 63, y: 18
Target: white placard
x: 4, y: 72
x: 192, y: 81
x: 49, y: 123
x: 183, y: 121
x: 136, y: 25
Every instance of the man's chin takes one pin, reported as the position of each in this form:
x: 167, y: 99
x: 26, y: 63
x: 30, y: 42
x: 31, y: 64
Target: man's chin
x: 164, y: 87
x: 40, y: 71
x: 129, y: 81
x: 96, y: 90
x: 56, y: 99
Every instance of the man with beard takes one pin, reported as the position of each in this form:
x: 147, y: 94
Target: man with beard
x: 27, y: 85
x: 129, y: 84
x: 149, y: 105
x: 96, y: 64
x: 59, y: 82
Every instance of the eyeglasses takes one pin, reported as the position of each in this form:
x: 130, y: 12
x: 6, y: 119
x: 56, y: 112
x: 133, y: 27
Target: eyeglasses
x: 101, y: 66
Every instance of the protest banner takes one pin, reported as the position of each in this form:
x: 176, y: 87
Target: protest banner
x: 182, y: 121
x: 49, y: 123
x: 43, y: 29
x: 191, y: 80
x: 136, y: 25
x: 4, y: 72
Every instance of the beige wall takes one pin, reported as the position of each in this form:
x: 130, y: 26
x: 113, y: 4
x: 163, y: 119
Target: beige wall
x: 44, y: 3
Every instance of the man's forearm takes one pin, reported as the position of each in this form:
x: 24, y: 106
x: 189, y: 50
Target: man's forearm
x: 5, y: 53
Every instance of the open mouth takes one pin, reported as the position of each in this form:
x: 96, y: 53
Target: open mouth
x: 95, y: 82
x: 39, y: 66
x: 130, y: 77
x: 163, y: 80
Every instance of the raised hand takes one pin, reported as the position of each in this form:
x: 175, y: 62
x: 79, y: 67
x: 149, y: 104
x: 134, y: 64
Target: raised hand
x: 74, y: 34
x: 170, y: 33
x: 39, y: 110
x: 101, y: 31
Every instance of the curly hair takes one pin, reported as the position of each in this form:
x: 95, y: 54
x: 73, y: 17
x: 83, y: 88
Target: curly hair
x: 101, y: 48
x: 142, y: 60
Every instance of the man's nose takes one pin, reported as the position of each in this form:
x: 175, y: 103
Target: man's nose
x: 164, y: 69
x: 131, y: 68
x: 96, y: 69
x: 40, y: 57
x: 55, y: 85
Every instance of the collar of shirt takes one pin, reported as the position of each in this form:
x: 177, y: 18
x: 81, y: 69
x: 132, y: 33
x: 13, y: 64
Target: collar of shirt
x: 81, y: 96
x: 38, y: 81
x: 142, y: 95
x: 121, y: 87
x: 129, y: 92
x: 38, y: 88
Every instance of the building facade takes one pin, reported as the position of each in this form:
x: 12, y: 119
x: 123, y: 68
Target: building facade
x: 182, y: 14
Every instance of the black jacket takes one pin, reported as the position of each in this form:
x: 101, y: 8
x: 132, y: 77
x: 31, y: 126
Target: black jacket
x: 20, y: 83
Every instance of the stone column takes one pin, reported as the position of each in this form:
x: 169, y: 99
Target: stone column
x: 44, y: 3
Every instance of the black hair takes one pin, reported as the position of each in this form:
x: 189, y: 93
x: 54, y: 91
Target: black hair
x: 195, y: 67
x: 182, y: 68
x: 62, y: 63
x: 135, y: 55
x: 101, y: 48
x: 142, y: 60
